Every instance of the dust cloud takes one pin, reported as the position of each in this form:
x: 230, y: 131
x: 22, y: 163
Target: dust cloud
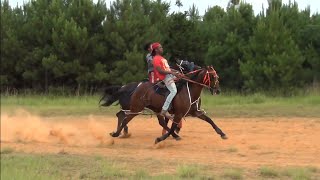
x: 24, y: 127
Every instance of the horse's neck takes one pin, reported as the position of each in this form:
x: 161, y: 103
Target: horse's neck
x: 195, y: 91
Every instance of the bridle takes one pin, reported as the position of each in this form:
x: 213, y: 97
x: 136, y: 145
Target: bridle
x: 207, y: 79
x: 206, y: 82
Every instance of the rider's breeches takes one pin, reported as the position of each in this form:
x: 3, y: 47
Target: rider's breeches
x: 169, y: 82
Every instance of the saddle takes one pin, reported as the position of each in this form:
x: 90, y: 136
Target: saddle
x: 161, y: 89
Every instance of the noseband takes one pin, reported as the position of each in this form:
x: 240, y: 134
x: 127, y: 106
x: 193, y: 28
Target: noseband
x: 207, y: 79
x: 206, y: 82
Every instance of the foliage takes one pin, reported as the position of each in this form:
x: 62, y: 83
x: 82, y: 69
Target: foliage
x: 81, y: 44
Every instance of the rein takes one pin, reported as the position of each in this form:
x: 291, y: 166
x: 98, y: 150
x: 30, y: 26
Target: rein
x: 195, y: 82
x: 206, y: 80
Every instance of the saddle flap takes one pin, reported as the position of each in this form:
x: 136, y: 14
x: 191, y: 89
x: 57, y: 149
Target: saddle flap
x: 160, y: 88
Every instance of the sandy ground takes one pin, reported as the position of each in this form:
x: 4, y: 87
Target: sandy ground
x: 252, y: 142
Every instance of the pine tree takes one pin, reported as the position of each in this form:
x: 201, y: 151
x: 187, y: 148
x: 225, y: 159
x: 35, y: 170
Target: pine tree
x: 12, y: 49
x: 272, y: 60
x: 229, y: 38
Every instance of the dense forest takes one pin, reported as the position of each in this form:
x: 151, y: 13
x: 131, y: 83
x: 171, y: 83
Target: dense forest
x: 78, y: 44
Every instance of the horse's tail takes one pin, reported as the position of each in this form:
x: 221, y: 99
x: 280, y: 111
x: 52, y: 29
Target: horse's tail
x: 118, y: 93
x: 110, y: 95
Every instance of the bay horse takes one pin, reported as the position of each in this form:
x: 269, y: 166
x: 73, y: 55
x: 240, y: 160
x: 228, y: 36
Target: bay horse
x: 145, y: 96
x: 122, y: 94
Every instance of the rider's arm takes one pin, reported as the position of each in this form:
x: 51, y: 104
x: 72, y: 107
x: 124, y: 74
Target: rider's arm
x: 162, y: 66
x: 172, y: 71
x: 163, y: 71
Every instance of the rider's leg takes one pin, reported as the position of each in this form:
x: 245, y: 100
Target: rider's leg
x: 169, y: 82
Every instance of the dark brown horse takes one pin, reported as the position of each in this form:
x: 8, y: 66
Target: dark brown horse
x: 122, y: 94
x: 145, y: 96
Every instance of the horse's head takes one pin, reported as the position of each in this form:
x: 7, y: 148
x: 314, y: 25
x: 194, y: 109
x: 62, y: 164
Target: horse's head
x: 211, y: 79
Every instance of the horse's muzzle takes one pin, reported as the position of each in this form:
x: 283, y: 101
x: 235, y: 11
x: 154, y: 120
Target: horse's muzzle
x: 214, y: 91
x: 218, y: 91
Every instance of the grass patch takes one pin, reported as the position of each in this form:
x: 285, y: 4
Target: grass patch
x: 268, y: 172
x: 32, y: 166
x: 164, y: 177
x: 22, y: 166
x: 7, y: 150
x: 46, y: 166
x: 188, y: 171
x: 141, y: 174
x: 233, y: 174
x: 299, y: 173
x: 227, y: 105
x: 259, y: 105
x: 56, y: 105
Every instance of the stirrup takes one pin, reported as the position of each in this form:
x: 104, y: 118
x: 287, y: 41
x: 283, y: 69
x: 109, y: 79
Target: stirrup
x: 166, y: 115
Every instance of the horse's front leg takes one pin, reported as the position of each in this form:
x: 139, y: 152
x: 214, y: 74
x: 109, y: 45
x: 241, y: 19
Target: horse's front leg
x: 164, y: 123
x: 215, y: 127
x: 174, y: 125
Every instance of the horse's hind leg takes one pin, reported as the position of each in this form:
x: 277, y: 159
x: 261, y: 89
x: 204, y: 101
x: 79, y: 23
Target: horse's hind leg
x: 215, y: 127
x: 121, y: 115
x: 124, y: 123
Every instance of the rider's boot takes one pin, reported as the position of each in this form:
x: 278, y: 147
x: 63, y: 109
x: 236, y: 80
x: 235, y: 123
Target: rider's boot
x: 166, y: 114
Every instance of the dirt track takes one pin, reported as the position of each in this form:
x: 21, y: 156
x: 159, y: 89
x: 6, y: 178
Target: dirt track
x: 251, y: 143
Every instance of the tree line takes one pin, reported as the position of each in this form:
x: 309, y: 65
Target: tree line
x: 79, y: 44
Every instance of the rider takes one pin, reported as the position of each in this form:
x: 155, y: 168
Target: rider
x: 149, y: 59
x: 163, y: 72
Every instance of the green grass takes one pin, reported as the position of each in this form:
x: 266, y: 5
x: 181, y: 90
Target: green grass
x: 268, y: 172
x: 259, y: 105
x: 55, y: 166
x: 299, y: 173
x: 7, y: 150
x: 23, y: 166
x: 188, y: 171
x: 56, y: 105
x: 234, y: 105
x: 234, y: 174
x: 141, y: 174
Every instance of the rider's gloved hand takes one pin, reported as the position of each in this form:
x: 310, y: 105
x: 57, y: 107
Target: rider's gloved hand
x: 178, y: 74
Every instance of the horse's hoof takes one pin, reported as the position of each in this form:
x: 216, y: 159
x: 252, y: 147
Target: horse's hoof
x: 157, y: 141
x: 178, y: 138
x: 113, y: 134
x: 177, y: 130
x: 224, y: 137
